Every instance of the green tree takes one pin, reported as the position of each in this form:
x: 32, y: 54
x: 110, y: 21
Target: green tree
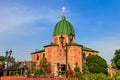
x: 94, y: 76
x: 2, y: 59
x: 87, y: 76
x: 38, y: 72
x: 85, y: 68
x: 44, y: 65
x: 77, y: 69
x: 102, y: 76
x: 77, y: 72
x: 116, y: 60
x: 116, y: 75
x: 96, y: 64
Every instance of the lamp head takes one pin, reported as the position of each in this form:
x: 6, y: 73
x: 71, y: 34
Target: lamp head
x: 71, y: 36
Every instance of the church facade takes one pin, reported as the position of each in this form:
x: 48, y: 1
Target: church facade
x: 58, y: 52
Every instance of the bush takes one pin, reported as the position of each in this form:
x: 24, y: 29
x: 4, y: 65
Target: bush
x: 91, y: 76
x: 15, y: 73
x: 77, y: 74
x: 118, y: 77
x: 38, y: 72
x: 77, y: 69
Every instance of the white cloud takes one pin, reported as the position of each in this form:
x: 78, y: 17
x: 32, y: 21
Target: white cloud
x: 18, y: 21
x: 11, y: 17
x: 106, y: 46
x: 16, y: 16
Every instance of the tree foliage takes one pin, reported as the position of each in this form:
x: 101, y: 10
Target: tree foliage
x: 2, y: 59
x: 116, y: 60
x: 44, y: 65
x: 85, y: 68
x: 93, y: 76
x: 77, y: 72
x: 38, y: 72
x: 77, y: 69
x: 96, y: 64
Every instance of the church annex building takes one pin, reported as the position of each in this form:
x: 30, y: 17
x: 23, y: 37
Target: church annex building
x: 63, y: 53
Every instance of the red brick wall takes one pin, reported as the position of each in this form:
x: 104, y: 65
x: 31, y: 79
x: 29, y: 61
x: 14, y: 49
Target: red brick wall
x: 25, y: 78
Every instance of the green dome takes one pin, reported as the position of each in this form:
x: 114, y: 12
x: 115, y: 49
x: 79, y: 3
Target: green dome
x: 63, y: 27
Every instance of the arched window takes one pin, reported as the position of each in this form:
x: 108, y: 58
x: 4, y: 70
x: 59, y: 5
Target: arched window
x: 89, y: 54
x: 43, y: 55
x: 83, y: 55
x: 64, y: 52
x: 37, y: 58
x: 60, y: 52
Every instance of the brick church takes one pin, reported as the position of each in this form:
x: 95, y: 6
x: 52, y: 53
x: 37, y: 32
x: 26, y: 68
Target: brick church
x: 63, y: 53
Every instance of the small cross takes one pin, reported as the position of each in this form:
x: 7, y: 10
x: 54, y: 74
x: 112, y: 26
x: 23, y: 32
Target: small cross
x: 63, y: 9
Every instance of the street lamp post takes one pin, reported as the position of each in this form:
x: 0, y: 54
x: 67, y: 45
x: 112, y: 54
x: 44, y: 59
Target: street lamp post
x: 8, y: 57
x: 66, y: 47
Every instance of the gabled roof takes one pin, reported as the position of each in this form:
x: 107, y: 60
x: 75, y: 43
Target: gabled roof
x: 88, y: 49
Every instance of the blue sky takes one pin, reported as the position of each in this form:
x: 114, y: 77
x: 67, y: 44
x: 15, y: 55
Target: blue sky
x: 27, y: 25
